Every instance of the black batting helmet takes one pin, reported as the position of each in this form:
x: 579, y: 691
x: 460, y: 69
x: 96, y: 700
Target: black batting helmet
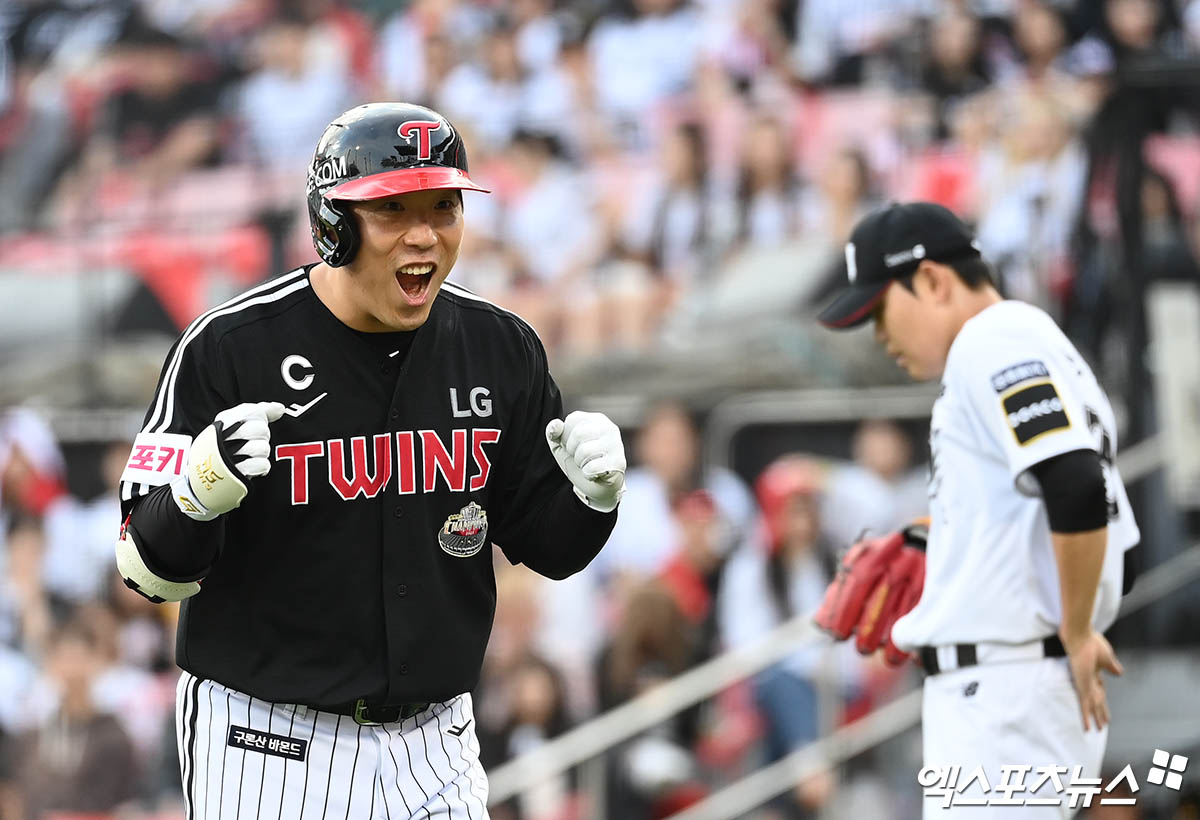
x: 374, y: 151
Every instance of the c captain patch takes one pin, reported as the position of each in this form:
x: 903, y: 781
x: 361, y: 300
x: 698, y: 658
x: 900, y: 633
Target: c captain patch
x: 464, y: 533
x: 1034, y: 411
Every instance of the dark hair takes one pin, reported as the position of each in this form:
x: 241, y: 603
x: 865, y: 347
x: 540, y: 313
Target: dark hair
x: 974, y: 271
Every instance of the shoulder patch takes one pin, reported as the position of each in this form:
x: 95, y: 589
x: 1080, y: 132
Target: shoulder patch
x: 1033, y: 411
x: 1017, y: 373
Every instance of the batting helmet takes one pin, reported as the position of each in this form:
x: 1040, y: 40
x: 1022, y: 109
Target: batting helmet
x: 375, y: 151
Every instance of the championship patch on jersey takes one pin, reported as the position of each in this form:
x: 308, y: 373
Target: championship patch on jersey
x: 1015, y: 374
x: 1034, y: 411
x: 252, y: 740
x: 465, y: 532
x: 156, y: 458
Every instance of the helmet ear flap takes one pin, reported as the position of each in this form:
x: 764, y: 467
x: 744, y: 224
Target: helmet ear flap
x: 333, y: 231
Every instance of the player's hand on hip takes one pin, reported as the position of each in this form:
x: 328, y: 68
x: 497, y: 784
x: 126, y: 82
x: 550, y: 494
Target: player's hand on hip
x: 1089, y: 657
x: 588, y: 449
x: 231, y: 450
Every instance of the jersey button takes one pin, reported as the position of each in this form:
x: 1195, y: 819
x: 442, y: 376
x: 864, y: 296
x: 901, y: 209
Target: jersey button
x: 398, y: 512
x: 395, y: 414
x: 402, y: 590
x: 404, y: 669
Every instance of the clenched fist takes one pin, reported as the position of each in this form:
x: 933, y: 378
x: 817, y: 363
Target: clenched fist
x: 588, y: 449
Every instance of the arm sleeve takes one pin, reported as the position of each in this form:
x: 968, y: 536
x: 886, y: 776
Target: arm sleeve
x: 1073, y: 490
x: 193, y: 387
x: 543, y: 525
x: 174, y: 547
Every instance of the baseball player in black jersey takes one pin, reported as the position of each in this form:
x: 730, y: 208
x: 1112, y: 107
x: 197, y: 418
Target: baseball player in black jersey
x: 324, y: 468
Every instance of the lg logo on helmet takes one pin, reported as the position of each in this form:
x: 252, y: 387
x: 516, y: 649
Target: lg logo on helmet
x: 422, y: 129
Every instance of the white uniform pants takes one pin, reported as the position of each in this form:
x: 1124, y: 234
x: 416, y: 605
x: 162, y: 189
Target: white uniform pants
x: 244, y: 759
x: 1006, y: 714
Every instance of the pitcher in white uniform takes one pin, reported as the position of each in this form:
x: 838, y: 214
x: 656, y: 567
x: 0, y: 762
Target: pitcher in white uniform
x: 1031, y: 538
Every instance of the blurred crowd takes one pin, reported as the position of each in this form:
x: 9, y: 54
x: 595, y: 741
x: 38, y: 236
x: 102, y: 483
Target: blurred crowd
x: 645, y: 155
x: 700, y: 563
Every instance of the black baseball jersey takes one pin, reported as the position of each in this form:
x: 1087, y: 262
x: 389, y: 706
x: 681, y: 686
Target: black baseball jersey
x: 361, y: 565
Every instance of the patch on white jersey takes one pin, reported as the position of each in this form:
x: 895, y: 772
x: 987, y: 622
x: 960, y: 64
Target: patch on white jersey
x: 1034, y: 411
x: 156, y: 458
x: 1017, y: 373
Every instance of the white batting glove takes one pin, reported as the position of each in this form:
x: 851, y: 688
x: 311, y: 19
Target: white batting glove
x: 588, y: 449
x: 235, y: 447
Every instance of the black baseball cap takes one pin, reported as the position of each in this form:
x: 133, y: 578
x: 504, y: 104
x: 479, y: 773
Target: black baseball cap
x: 890, y: 244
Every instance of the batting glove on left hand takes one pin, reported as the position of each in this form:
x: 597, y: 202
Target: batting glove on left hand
x: 588, y: 449
x: 233, y: 449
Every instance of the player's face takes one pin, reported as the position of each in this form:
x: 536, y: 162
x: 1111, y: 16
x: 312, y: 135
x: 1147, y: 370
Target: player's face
x: 408, y: 244
x: 909, y: 330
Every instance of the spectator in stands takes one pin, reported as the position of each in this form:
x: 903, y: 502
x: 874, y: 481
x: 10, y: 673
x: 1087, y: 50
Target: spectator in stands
x: 344, y: 38
x: 844, y: 45
x: 145, y: 631
x: 539, y: 33
x: 26, y: 617
x: 562, y: 99
x: 549, y: 228
x: 693, y: 573
x: 51, y: 68
x: 843, y: 195
x: 748, y: 39
x: 32, y: 469
x: 955, y: 68
x: 35, y: 131
x: 763, y: 210
x: 537, y: 713
x: 489, y: 96
x: 163, y: 123
x: 670, y: 465
x: 1030, y: 189
x: 79, y: 535
x: 641, y: 59
x: 780, y: 572
x: 1040, y: 37
x: 672, y: 226
x: 879, y: 492
x: 132, y: 694
x: 79, y: 759
x: 653, y: 643
x: 1166, y: 251
x: 286, y: 67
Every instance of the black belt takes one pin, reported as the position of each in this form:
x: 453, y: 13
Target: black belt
x: 373, y: 714
x: 967, y: 654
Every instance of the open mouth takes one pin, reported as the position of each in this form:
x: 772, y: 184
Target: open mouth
x: 414, y: 281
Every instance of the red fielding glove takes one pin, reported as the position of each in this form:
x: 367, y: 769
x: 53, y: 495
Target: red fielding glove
x: 861, y: 569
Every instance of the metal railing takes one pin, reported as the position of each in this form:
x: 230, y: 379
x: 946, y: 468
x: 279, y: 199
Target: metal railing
x: 896, y: 717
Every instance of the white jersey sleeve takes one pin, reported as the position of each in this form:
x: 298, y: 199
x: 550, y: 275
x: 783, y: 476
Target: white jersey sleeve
x: 1026, y: 398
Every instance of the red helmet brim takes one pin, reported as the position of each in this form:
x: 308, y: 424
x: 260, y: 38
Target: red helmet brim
x: 403, y: 181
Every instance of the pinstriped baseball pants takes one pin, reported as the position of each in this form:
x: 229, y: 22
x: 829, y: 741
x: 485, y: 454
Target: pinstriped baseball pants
x: 243, y: 758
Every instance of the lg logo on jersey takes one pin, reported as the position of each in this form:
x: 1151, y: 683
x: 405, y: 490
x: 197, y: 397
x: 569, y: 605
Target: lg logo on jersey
x: 481, y: 405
